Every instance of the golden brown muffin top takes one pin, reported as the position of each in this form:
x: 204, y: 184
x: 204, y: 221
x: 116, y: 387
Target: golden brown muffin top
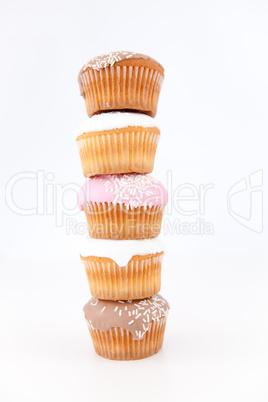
x: 109, y: 59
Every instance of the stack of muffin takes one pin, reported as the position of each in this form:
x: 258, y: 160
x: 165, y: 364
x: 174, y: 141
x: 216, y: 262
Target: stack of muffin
x: 123, y: 205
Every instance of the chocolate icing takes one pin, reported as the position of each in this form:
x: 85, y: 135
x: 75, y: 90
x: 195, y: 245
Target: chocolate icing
x: 109, y: 59
x: 132, y: 315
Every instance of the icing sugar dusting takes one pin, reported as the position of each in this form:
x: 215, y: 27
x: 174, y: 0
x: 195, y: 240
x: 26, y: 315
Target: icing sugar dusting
x: 132, y: 190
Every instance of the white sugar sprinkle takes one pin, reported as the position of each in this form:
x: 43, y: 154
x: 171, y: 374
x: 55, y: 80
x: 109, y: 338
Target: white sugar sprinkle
x: 106, y: 60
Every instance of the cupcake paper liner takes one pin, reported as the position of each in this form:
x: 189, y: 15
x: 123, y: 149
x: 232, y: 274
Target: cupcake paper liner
x: 140, y: 278
x: 126, y: 150
x: 117, y: 343
x: 121, y: 88
x: 116, y: 221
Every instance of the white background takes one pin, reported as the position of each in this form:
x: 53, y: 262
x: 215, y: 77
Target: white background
x: 214, y: 121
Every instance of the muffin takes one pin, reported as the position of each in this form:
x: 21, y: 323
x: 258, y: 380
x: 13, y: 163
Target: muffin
x: 127, y: 330
x: 121, y: 81
x: 123, y: 207
x: 117, y: 142
x: 123, y: 269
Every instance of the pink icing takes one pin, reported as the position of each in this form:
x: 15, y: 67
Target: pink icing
x: 133, y: 190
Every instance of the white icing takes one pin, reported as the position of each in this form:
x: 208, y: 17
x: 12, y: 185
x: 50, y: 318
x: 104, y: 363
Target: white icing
x: 121, y: 251
x: 113, y: 120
